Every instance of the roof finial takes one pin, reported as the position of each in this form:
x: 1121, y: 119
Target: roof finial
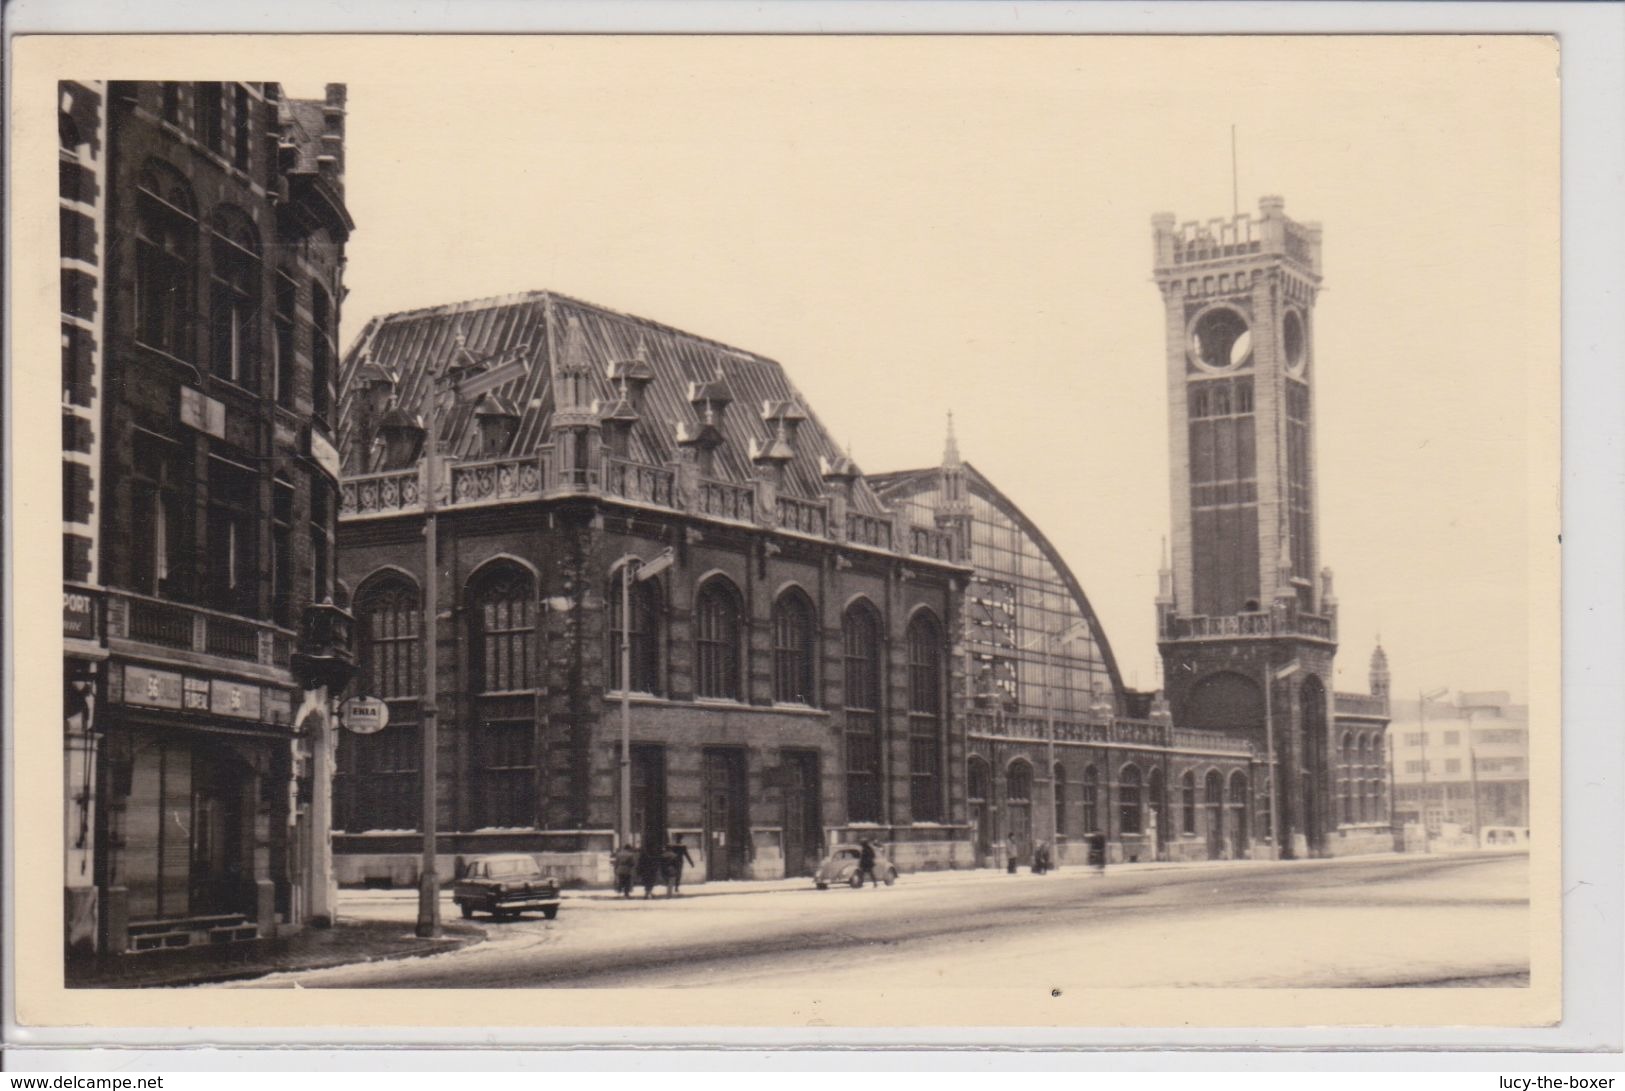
x: 950, y: 452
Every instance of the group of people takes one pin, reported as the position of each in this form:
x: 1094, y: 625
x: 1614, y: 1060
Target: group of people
x: 651, y: 865
x: 1044, y: 856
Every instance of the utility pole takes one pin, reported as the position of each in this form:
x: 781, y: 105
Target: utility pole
x: 633, y: 571
x: 428, y: 926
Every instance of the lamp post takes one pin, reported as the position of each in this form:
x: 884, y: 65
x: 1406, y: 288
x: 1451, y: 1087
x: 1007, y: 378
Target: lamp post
x: 633, y: 570
x: 1422, y: 700
x: 464, y: 377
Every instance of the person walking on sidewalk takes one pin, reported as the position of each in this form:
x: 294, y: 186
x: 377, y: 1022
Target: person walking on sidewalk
x: 676, y: 855
x: 1012, y: 854
x: 866, y: 862
x: 649, y: 869
x: 1097, y: 852
x: 625, y: 860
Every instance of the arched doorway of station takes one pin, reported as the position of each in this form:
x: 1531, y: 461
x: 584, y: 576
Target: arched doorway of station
x: 1238, y: 825
x: 1213, y: 805
x: 1018, y: 806
x: 1312, y: 711
x: 978, y: 790
x: 1157, y: 792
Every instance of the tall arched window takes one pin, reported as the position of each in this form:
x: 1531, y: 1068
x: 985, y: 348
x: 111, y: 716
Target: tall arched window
x: 1018, y: 804
x: 165, y: 261
x: 1238, y: 805
x: 1059, y: 786
x: 716, y: 637
x: 376, y: 784
x: 1368, y: 802
x: 794, y: 649
x: 644, y: 645
x: 1187, y: 799
x: 925, y: 717
x: 1091, y: 799
x: 860, y: 632
x: 502, y: 610
x: 1347, y: 784
x: 1129, y: 803
x: 234, y: 298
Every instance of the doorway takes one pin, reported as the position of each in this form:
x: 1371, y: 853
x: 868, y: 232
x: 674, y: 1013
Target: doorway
x: 726, y: 821
x: 218, y: 786
x: 1213, y: 791
x: 803, y: 818
x: 649, y: 795
x: 979, y: 782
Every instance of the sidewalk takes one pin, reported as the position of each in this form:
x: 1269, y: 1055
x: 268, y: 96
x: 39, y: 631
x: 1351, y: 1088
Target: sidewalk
x: 311, y: 949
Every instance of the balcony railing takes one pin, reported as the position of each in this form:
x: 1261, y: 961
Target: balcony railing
x: 495, y: 479
x: 931, y: 542
x: 803, y: 516
x: 1190, y: 738
x: 1151, y: 734
x: 639, y: 482
x: 725, y: 501
x: 147, y: 620
x: 380, y: 494
x: 1259, y: 624
x: 1359, y: 704
x: 868, y: 530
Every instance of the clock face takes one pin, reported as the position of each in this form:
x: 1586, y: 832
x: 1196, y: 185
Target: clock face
x: 1220, y: 340
x: 1294, y: 343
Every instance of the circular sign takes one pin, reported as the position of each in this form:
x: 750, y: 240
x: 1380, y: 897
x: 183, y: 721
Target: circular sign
x: 364, y: 715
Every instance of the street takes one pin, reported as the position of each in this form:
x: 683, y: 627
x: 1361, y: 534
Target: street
x: 1372, y: 921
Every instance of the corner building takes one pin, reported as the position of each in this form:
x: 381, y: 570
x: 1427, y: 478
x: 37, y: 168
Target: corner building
x: 203, y: 232
x: 1247, y: 620
x: 792, y: 675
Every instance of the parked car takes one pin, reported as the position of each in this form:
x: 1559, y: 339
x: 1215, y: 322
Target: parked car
x: 505, y: 886
x: 841, y: 866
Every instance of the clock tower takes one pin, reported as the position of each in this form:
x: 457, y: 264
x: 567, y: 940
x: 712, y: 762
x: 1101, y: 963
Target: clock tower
x: 1246, y: 620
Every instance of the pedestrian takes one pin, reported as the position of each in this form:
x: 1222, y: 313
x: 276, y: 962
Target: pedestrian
x: 1041, y: 858
x: 1097, y: 852
x: 672, y: 862
x: 1012, y: 854
x: 648, y: 869
x: 625, y: 860
x: 866, y: 862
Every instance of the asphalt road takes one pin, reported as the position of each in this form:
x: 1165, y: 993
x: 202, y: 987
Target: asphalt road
x: 1376, y: 921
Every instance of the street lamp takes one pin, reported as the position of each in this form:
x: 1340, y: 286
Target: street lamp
x: 463, y: 377
x: 643, y: 571
x: 1422, y: 700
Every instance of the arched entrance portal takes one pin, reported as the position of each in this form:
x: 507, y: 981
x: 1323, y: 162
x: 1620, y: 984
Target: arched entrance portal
x: 1213, y: 804
x: 978, y: 781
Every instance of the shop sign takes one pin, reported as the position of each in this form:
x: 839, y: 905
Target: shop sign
x: 234, y: 699
x: 364, y: 715
x: 202, y: 412
x: 197, y: 695
x: 277, y: 706
x: 78, y: 614
x: 155, y: 689
x: 324, y: 453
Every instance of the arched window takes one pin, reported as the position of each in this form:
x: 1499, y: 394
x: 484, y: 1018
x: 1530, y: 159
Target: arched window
x: 1018, y: 805
x: 1348, y: 786
x: 503, y: 608
x: 794, y: 649
x: 376, y: 784
x: 1091, y: 799
x: 860, y: 633
x: 1187, y: 794
x: 234, y: 298
x: 716, y: 636
x: 1129, y: 803
x: 165, y: 261
x: 925, y: 718
x: 644, y: 645
x: 1058, y: 785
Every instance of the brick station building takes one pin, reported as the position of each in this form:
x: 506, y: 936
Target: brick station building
x: 792, y: 674
x: 203, y: 232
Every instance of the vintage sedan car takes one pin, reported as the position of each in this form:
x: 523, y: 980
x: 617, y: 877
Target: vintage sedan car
x: 505, y: 886
x: 841, y: 867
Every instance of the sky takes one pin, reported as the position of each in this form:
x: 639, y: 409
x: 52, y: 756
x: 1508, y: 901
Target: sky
x: 918, y: 226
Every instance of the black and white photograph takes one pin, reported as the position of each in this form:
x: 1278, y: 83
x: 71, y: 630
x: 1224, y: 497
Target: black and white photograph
x: 951, y: 528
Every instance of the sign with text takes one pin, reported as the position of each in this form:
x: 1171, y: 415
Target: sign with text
x: 364, y: 715
x: 202, y: 412
x: 155, y: 689
x: 234, y: 699
x: 78, y: 614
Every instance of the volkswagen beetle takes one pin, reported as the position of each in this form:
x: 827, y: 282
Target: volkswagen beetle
x: 841, y: 867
